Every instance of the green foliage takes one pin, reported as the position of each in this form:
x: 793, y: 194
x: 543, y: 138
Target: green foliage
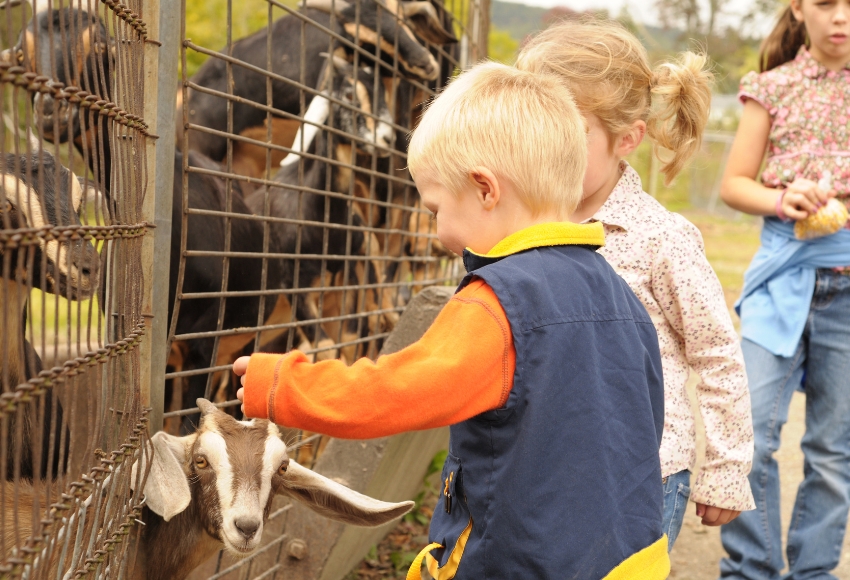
x: 676, y: 197
x: 206, y: 23
x: 501, y: 46
x: 402, y: 560
x: 436, y: 466
x: 518, y: 20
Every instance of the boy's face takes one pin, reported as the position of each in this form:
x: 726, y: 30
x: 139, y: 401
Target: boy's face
x: 462, y: 220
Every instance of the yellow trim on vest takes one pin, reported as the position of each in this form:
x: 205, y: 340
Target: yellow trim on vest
x: 651, y: 563
x: 448, y: 571
x: 415, y: 570
x: 549, y: 234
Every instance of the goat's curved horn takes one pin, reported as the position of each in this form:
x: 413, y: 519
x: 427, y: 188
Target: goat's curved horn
x: 328, y: 6
x: 337, y: 502
x: 317, y: 114
x: 34, y: 142
x: 422, y: 17
x: 341, y: 65
x: 206, y: 407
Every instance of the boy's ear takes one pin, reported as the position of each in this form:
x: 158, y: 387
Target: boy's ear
x: 629, y: 141
x: 487, y: 188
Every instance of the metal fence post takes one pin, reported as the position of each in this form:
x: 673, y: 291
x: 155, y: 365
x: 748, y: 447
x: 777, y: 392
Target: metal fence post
x: 161, y: 58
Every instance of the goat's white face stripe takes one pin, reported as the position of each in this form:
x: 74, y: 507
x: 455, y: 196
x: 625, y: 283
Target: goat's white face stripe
x: 76, y: 192
x: 272, y: 457
x: 317, y: 112
x: 214, y: 448
x: 240, y: 499
x: 26, y: 200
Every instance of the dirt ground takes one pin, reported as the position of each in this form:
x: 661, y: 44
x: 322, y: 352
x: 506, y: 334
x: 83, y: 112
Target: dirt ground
x: 698, y: 550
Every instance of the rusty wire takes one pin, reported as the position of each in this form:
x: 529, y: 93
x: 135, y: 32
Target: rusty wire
x: 72, y: 281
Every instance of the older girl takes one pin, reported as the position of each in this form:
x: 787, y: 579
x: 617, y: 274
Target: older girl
x: 795, y: 307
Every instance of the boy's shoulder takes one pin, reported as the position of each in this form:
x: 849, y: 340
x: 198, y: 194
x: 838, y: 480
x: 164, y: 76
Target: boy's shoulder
x: 567, y: 283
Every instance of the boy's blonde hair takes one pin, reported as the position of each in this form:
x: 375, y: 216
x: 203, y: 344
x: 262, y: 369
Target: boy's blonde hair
x: 608, y: 70
x: 524, y: 127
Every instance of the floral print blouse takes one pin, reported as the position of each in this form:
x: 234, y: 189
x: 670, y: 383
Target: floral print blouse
x: 660, y: 255
x: 809, y: 108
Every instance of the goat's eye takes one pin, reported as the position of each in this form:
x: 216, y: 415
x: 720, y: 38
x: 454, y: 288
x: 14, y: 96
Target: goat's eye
x: 282, y: 469
x: 201, y: 462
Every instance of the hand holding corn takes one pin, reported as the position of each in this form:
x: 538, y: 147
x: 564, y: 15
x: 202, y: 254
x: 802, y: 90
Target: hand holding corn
x: 828, y: 219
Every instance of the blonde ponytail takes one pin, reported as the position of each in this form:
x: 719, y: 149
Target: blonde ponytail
x: 607, y: 69
x: 681, y: 101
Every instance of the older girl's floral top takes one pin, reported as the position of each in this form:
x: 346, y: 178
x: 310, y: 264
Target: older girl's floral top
x: 809, y: 108
x: 661, y: 256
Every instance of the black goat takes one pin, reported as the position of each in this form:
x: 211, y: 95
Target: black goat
x: 74, y: 47
x: 377, y: 27
x: 327, y: 167
x: 38, y: 192
x: 205, y: 233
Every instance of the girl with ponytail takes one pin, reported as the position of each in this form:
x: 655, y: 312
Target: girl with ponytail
x: 795, y: 304
x: 660, y: 254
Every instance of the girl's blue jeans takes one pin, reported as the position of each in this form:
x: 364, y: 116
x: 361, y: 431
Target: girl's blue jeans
x: 754, y: 540
x: 677, y: 490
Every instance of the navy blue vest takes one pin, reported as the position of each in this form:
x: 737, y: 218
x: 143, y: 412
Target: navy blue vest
x: 565, y: 480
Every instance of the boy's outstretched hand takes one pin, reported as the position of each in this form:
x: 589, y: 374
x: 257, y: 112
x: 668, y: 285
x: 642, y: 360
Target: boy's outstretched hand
x: 714, y: 516
x: 240, y: 367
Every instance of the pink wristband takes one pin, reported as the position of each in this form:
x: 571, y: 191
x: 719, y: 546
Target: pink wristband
x: 779, y: 213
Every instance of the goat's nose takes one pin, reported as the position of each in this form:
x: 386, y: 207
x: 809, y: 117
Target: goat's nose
x: 247, y: 526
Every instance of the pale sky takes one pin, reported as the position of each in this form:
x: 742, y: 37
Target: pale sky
x: 641, y: 10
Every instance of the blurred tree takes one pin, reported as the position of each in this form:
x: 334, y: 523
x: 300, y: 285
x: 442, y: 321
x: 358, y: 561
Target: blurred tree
x: 725, y: 30
x: 206, y: 24
x: 501, y: 46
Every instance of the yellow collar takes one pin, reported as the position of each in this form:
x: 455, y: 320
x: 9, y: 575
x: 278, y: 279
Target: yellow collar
x: 548, y: 234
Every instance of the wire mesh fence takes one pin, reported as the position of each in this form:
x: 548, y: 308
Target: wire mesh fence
x: 294, y: 224
x: 298, y: 224
x: 73, y: 168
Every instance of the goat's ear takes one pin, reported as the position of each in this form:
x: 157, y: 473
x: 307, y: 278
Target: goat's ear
x: 422, y: 18
x: 167, y: 489
x: 338, y: 502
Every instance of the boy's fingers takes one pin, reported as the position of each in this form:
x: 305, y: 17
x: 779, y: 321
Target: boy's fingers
x: 240, y: 394
x: 241, y: 365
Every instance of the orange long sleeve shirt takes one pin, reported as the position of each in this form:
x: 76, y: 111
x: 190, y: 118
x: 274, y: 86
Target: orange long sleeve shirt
x: 462, y: 366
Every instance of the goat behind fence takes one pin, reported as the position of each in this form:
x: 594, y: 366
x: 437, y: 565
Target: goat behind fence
x: 133, y: 274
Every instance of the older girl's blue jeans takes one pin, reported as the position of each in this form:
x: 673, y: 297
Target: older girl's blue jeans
x: 754, y: 540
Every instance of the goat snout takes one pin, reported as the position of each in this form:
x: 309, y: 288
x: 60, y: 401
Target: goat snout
x: 247, y: 526
x: 53, y: 115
